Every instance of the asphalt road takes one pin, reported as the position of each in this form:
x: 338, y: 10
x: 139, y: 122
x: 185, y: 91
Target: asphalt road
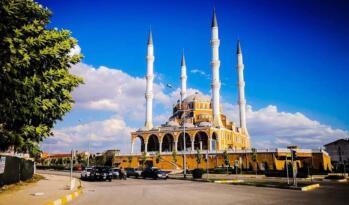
x: 168, y: 192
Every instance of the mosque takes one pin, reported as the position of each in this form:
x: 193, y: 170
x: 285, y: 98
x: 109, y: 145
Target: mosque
x: 197, y: 121
x: 198, y: 125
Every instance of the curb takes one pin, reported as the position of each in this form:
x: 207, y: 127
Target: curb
x: 334, y: 180
x: 310, y: 187
x: 65, y: 199
x: 228, y: 181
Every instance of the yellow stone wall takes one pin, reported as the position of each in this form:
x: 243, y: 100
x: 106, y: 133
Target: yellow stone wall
x: 321, y: 161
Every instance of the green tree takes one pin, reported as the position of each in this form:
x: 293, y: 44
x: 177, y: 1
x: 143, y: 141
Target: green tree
x: 226, y: 159
x: 198, y: 158
x: 174, y: 156
x: 143, y: 159
x: 35, y: 83
x: 129, y: 159
x: 157, y: 157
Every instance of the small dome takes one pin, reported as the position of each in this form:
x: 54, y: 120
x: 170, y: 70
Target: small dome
x: 142, y: 129
x: 172, y: 123
x: 204, y: 124
x: 197, y: 97
x: 188, y: 124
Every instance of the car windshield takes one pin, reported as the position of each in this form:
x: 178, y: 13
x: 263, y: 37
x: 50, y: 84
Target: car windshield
x: 102, y: 169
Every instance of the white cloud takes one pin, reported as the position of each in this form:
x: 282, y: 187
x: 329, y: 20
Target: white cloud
x: 106, y: 134
x: 200, y: 72
x: 113, y: 90
x: 269, y: 127
x: 75, y: 51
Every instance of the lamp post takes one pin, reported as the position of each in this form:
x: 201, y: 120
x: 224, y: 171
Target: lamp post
x: 184, y: 137
x: 184, y: 143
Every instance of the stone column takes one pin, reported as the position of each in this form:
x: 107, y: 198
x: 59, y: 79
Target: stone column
x: 160, y: 146
x: 146, y: 146
x: 210, y: 144
x: 192, y: 145
x: 132, y: 144
x: 175, y: 145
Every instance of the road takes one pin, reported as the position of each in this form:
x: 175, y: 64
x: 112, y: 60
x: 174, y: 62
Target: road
x: 154, y: 192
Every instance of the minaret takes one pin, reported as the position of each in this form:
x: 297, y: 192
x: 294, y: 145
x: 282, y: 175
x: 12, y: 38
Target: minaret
x: 183, y: 78
x: 241, y: 86
x: 215, y: 63
x: 149, y: 83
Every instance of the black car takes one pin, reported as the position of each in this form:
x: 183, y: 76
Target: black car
x: 154, y: 173
x: 132, y: 172
x: 102, y: 173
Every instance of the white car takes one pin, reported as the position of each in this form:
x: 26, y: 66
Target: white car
x: 86, y: 174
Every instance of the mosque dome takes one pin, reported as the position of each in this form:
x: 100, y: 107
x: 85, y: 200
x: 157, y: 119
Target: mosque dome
x: 172, y: 123
x: 187, y: 124
x: 197, y: 97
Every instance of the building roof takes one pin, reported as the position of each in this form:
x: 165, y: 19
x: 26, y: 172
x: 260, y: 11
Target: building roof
x: 197, y: 97
x: 339, y: 141
x: 60, y: 155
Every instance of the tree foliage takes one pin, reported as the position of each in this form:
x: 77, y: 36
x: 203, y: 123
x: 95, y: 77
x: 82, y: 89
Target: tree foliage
x: 157, y: 157
x: 174, y: 156
x: 35, y: 83
x: 198, y: 158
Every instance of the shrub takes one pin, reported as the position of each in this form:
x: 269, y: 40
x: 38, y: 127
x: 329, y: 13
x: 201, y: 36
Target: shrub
x: 197, y: 173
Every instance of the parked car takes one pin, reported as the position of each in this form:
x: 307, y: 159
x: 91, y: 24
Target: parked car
x: 86, y: 174
x: 154, y: 173
x: 118, y: 173
x: 101, y: 173
x: 132, y: 172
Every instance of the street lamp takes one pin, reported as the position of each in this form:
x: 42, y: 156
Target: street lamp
x: 184, y: 135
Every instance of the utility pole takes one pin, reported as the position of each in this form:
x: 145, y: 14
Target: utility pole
x: 71, y: 164
x: 89, y: 154
x: 184, y: 146
x: 207, y: 164
x: 288, y: 178
x: 294, y: 171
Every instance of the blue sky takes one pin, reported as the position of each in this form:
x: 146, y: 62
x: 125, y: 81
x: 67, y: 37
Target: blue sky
x: 295, y: 52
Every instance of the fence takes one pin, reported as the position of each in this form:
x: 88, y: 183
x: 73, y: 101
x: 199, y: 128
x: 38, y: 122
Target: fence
x: 14, y: 169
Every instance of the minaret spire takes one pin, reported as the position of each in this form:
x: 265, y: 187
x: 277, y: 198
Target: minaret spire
x: 215, y: 63
x: 149, y: 83
x: 150, y: 38
x: 241, y: 87
x: 214, y: 19
x: 183, y: 77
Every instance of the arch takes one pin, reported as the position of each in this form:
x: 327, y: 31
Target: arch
x: 167, y: 143
x: 214, y: 141
x: 180, y: 146
x: 201, y: 140
x: 153, y: 143
x: 138, y: 144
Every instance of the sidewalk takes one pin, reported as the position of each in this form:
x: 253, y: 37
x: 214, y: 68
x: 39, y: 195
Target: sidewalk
x: 53, y: 187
